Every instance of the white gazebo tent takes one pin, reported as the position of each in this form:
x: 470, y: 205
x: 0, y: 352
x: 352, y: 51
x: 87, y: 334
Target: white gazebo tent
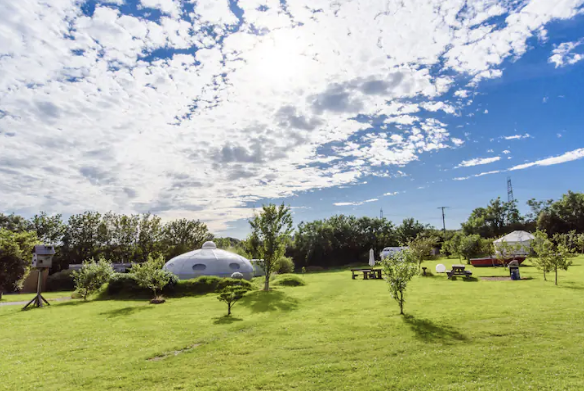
x: 517, y: 239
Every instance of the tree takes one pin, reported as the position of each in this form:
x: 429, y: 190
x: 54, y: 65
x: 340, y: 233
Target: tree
x: 580, y: 243
x: 421, y: 248
x: 81, y: 240
x: 506, y: 251
x: 270, y: 233
x: 550, y: 256
x: 49, y: 229
x: 149, y: 237
x: 150, y: 275
x: 564, y: 215
x: 496, y: 219
x: 92, y: 276
x: 183, y: 235
x: 231, y: 294
x: 399, y: 269
x: 409, y: 230
x: 15, y: 223
x: 15, y: 258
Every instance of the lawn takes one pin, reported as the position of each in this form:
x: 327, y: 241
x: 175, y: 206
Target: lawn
x: 333, y: 334
x: 28, y: 296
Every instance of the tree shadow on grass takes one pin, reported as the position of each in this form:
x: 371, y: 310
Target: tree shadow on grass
x: 269, y: 301
x: 67, y: 303
x: 427, y: 331
x: 464, y: 279
x: 226, y: 320
x: 570, y: 285
x: 125, y: 311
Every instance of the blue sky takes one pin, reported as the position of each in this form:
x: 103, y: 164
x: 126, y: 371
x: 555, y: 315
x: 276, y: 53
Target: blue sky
x: 206, y: 109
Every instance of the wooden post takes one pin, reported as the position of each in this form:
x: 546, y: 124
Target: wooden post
x: 38, y: 298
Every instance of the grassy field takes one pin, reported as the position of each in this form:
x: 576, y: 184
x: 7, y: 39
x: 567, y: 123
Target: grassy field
x: 333, y: 334
x: 28, y: 296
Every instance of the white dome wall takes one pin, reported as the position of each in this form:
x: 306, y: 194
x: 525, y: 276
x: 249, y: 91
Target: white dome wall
x: 209, y: 261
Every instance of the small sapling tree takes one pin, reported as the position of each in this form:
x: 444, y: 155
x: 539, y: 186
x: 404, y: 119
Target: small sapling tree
x: 421, y: 248
x: 231, y: 294
x: 270, y: 233
x: 399, y: 269
x: 150, y: 275
x: 92, y: 276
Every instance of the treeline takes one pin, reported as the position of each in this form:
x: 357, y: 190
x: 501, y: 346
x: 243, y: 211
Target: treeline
x: 115, y: 237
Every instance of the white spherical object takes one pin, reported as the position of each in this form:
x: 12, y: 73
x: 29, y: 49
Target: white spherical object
x: 440, y: 268
x: 209, y: 261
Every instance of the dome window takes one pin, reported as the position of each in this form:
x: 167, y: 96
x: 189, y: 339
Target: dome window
x: 199, y: 267
x: 234, y: 266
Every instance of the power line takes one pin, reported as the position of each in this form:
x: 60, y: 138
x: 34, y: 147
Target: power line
x: 443, y: 217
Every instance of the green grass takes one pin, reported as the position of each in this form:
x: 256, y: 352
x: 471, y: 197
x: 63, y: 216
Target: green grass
x: 28, y: 296
x: 332, y: 334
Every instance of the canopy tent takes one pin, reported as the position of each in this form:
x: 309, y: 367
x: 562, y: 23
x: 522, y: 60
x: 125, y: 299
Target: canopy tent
x: 209, y: 261
x: 517, y: 239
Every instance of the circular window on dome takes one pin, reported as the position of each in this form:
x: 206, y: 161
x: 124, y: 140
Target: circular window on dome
x: 234, y: 266
x: 199, y: 267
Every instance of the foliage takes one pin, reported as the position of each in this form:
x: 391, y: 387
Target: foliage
x: 149, y: 275
x: 183, y: 235
x: 409, y: 230
x: 231, y: 294
x: 421, y: 248
x: 284, y: 265
x: 61, y: 281
x: 340, y: 240
x: 289, y: 280
x: 564, y: 215
x: 467, y: 246
x: 506, y: 251
x: 551, y: 256
x: 270, y: 233
x: 15, y: 258
x: 92, y: 276
x: 399, y: 269
x: 303, y: 270
x: 497, y: 219
x: 14, y: 223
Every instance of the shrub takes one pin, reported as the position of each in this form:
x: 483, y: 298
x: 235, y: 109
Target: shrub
x: 284, y: 265
x: 226, y: 282
x: 231, y: 294
x: 126, y: 284
x: 303, y: 270
x: 200, y: 285
x: 61, y: 281
x: 150, y: 275
x: 92, y: 276
x: 289, y: 280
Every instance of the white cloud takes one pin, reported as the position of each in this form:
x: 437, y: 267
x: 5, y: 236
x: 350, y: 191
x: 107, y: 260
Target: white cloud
x: 478, y: 162
x: 506, y: 152
x: 516, y: 137
x: 390, y: 193
x: 567, y: 53
x: 476, y: 176
x: 342, y: 204
x: 486, y: 111
x: 186, y: 115
x: 566, y: 157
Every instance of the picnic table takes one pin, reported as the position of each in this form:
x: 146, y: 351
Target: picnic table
x: 458, y: 270
x: 367, y: 273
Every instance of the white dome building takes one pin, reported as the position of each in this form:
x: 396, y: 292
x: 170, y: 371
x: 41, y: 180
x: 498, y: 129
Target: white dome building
x: 209, y: 261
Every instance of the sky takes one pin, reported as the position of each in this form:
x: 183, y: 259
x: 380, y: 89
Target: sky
x: 207, y: 109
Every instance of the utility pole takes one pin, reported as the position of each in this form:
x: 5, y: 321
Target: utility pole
x: 509, y: 190
x: 443, y: 218
x: 381, y: 213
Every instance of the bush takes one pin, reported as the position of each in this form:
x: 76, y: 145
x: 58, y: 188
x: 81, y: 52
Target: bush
x: 61, y: 281
x: 284, y: 265
x: 92, y: 276
x: 200, y: 285
x: 126, y: 284
x: 289, y: 280
x: 225, y: 282
x: 150, y: 275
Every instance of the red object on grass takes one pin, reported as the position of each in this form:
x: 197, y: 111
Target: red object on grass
x: 493, y: 262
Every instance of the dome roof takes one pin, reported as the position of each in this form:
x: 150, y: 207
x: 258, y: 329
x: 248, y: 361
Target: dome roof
x: 209, y: 261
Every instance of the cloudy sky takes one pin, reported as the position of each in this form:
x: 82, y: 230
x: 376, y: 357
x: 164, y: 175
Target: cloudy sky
x: 208, y: 108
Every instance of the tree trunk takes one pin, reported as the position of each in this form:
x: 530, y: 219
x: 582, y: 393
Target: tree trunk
x: 544, y: 278
x: 228, y: 309
x: 0, y: 295
x: 556, y: 276
x: 401, y: 303
x: 267, y: 282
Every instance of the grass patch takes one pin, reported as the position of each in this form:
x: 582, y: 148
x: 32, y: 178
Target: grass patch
x: 289, y: 280
x: 333, y: 334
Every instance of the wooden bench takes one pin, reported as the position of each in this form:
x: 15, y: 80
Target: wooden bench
x: 367, y: 273
x: 458, y: 270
